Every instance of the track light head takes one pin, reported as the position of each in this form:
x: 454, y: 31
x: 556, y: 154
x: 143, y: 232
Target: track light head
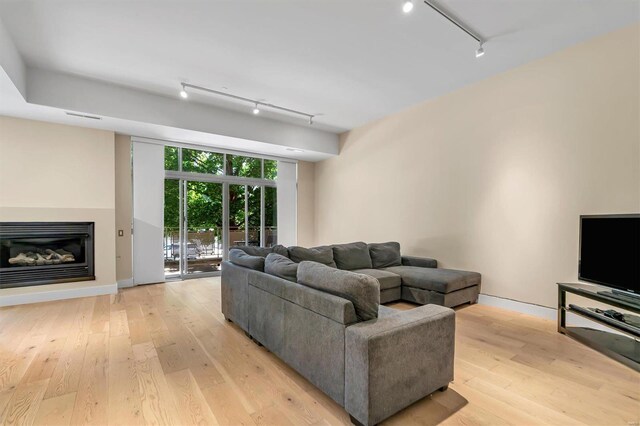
x: 183, y: 93
x: 407, y: 6
x: 256, y: 110
x: 480, y: 51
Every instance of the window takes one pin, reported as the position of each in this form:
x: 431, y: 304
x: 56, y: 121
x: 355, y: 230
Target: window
x: 208, y: 162
x: 270, y: 216
x: 244, y: 166
x: 170, y: 158
x: 202, y: 161
x: 270, y: 169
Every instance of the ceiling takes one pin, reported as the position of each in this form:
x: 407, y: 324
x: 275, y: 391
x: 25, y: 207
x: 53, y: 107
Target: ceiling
x: 351, y: 61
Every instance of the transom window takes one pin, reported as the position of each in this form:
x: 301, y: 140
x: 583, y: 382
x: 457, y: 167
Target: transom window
x: 215, y: 163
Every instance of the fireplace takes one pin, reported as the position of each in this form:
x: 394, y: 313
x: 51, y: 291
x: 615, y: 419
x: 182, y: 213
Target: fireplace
x: 37, y: 253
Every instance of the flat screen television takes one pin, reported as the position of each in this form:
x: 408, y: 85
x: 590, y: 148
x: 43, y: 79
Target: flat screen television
x: 610, y: 251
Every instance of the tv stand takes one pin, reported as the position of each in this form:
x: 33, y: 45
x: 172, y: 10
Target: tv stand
x: 623, y: 346
x: 626, y: 295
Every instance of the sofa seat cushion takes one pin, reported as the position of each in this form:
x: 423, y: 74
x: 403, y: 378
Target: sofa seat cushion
x: 435, y: 279
x: 386, y: 279
x: 322, y: 254
x: 281, y: 266
x: 352, y: 256
x: 362, y: 290
x: 384, y: 255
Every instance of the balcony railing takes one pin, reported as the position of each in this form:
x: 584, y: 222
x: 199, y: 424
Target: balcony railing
x: 203, y: 250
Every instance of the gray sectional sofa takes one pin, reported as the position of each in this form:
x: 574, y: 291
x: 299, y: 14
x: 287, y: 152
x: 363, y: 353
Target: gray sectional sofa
x: 319, y: 310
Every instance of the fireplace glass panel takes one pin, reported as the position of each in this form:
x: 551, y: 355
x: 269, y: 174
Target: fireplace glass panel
x: 18, y: 252
x: 36, y: 253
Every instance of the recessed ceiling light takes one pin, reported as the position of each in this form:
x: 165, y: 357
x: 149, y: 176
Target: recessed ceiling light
x: 294, y: 150
x: 407, y: 6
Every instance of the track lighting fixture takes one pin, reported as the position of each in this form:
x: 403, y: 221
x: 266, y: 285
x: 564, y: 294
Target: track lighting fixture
x: 256, y: 104
x: 183, y: 93
x: 407, y: 6
x: 454, y: 21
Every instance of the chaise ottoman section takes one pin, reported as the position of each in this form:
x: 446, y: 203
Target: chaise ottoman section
x: 446, y: 287
x: 389, y: 283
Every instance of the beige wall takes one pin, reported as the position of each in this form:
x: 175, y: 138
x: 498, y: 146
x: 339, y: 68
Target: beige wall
x: 124, y: 209
x: 53, y: 172
x: 493, y: 177
x: 306, y: 206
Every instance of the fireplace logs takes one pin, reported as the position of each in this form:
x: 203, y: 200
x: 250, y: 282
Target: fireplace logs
x: 42, y: 257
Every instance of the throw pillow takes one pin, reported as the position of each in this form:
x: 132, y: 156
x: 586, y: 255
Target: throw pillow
x: 281, y: 266
x: 263, y: 251
x: 240, y: 258
x: 323, y: 254
x: 384, y: 255
x: 352, y: 256
x: 362, y: 290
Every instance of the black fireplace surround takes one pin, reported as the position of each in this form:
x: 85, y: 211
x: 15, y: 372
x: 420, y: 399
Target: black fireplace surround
x: 37, y: 253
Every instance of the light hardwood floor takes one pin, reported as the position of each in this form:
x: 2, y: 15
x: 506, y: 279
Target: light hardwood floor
x: 163, y: 354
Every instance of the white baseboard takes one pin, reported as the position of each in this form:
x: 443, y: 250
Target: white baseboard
x: 125, y: 283
x: 47, y: 295
x: 540, y: 312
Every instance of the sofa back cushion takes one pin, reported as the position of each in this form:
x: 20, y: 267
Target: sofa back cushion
x: 263, y: 251
x: 240, y: 258
x: 322, y: 254
x: 351, y: 256
x: 363, y: 291
x: 385, y: 255
x: 281, y: 266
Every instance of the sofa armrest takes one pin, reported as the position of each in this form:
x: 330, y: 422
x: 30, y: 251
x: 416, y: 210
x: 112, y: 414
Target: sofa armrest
x: 423, y: 262
x: 393, y: 361
x: 235, y: 280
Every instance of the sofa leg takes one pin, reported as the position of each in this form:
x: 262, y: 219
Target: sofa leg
x: 355, y: 421
x: 255, y: 341
x: 228, y: 320
x: 444, y: 388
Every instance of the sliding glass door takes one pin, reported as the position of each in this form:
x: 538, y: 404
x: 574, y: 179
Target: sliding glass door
x: 245, y: 215
x: 172, y: 235
x: 202, y: 227
x: 214, y: 202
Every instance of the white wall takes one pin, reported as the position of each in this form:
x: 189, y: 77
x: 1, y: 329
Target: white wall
x: 493, y: 177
